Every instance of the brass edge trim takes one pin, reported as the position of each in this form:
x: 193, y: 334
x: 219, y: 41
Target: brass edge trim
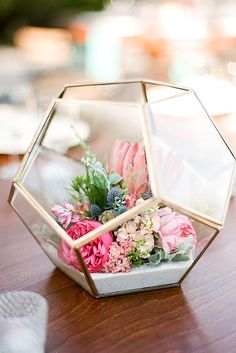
x: 61, y: 93
x: 144, y: 92
x: 167, y: 84
x: 50, y: 221
x: 87, y: 274
x: 159, y: 83
x: 211, y: 222
x: 91, y: 83
x: 114, y: 223
x: 11, y: 193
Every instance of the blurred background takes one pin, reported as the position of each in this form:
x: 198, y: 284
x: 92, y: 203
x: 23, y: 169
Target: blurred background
x: 48, y: 43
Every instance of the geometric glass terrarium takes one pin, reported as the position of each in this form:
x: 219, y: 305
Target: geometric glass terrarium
x: 125, y: 185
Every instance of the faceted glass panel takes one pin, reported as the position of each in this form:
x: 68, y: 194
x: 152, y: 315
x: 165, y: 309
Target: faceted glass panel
x: 47, y: 238
x: 194, y: 165
x: 160, y: 92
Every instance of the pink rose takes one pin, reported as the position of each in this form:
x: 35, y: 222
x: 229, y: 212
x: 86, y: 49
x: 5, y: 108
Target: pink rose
x: 174, y: 230
x: 95, y: 253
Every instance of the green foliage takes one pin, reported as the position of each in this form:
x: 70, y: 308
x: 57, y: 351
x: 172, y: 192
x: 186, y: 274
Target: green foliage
x: 90, y: 188
x: 97, y: 196
x: 115, y: 178
x: 135, y: 257
x: 160, y: 255
x: 95, y: 185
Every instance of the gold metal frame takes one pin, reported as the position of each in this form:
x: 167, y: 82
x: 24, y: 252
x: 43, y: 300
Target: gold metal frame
x: 17, y: 187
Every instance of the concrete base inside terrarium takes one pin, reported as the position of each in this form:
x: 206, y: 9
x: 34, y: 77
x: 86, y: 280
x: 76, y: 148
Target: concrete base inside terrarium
x: 142, y: 277
x: 167, y: 273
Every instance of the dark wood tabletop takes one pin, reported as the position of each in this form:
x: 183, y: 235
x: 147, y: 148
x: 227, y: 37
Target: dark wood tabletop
x: 199, y: 316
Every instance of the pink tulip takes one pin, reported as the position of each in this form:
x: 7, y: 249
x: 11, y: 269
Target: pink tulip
x: 128, y: 159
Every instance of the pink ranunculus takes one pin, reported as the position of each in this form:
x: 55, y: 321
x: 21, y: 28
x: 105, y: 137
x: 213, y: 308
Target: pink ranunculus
x: 174, y: 230
x: 65, y: 214
x: 118, y: 260
x: 95, y: 253
x: 128, y: 159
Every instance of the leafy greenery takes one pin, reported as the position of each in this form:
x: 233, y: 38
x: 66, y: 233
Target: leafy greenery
x: 160, y: 255
x: 96, y: 184
x: 92, y: 188
x: 114, y: 178
x: 135, y: 257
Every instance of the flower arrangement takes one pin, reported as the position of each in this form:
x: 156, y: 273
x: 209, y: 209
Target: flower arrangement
x: 159, y: 234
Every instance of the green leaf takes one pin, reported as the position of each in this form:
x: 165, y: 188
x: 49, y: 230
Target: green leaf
x: 179, y: 257
x: 115, y: 178
x: 97, y: 196
x: 156, y: 258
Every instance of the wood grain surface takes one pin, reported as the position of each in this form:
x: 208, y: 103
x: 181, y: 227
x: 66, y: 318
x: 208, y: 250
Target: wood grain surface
x: 198, y: 317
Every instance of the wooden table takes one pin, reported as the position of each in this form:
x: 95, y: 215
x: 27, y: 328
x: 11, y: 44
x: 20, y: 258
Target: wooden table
x: 198, y: 317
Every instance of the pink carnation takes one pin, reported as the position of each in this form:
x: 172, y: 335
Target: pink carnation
x: 95, y: 253
x: 174, y: 230
x: 118, y: 261
x: 65, y: 214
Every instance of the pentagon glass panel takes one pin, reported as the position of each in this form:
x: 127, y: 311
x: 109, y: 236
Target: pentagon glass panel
x: 195, y: 166
x: 45, y: 235
x: 57, y: 157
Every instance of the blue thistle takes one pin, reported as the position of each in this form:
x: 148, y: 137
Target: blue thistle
x: 95, y: 211
x: 114, y: 198
x: 122, y: 209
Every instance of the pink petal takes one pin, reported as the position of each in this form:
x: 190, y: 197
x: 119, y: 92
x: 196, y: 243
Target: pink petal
x: 114, y: 155
x: 129, y: 158
x: 69, y: 207
x: 121, y: 156
x: 64, y: 253
x: 140, y: 168
x: 128, y: 179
